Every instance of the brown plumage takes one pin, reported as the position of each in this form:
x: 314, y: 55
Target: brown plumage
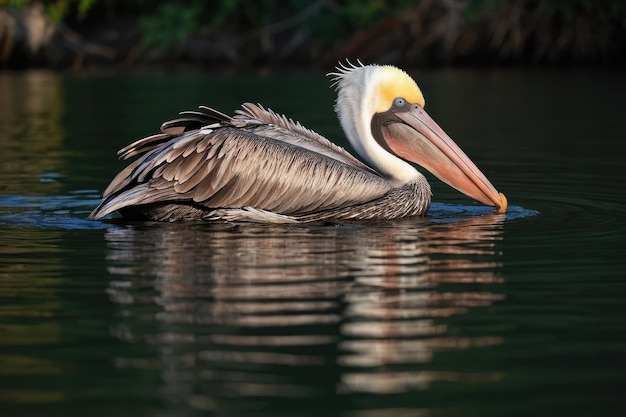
x: 255, y: 166
x: 263, y: 167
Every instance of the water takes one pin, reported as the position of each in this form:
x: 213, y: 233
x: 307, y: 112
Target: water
x: 464, y: 312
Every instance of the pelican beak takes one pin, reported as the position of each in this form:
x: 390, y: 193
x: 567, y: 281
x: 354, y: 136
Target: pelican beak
x: 413, y: 135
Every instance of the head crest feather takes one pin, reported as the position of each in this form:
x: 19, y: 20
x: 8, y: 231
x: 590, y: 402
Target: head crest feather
x: 341, y: 70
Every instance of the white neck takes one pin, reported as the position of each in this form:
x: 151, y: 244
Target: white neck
x: 355, y: 108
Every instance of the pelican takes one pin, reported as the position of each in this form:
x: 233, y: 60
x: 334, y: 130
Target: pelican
x: 260, y: 166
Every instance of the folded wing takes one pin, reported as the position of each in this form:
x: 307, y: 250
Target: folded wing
x: 258, y: 159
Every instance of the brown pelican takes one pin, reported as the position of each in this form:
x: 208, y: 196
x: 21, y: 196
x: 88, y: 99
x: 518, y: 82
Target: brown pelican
x: 263, y: 167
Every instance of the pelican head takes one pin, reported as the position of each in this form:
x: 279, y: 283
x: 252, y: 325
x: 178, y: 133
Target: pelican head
x: 381, y: 110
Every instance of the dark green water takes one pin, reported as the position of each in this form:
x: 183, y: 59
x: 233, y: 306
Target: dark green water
x: 461, y: 313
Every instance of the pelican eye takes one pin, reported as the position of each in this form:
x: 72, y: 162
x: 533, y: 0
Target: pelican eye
x: 399, y: 102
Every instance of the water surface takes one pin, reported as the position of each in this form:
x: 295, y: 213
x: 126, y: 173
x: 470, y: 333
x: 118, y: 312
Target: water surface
x: 465, y: 312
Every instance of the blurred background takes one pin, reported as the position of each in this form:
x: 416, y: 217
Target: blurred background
x: 241, y: 35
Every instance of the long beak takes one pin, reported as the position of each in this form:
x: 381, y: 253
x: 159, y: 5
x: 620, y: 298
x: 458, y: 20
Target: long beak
x: 420, y: 139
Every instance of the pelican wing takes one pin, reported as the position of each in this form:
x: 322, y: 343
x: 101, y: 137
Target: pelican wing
x: 254, y: 159
x: 296, y: 134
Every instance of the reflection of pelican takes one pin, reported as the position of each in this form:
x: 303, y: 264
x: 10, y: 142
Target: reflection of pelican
x: 260, y: 166
x: 247, y: 311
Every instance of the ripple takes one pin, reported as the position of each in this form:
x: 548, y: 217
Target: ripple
x: 448, y: 213
x: 68, y: 212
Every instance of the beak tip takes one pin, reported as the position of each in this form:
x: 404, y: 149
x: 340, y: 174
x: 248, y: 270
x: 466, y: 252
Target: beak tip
x: 503, y: 203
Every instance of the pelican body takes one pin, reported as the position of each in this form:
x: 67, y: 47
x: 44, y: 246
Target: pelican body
x: 260, y: 166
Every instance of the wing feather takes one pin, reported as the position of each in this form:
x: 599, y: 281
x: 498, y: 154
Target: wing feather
x: 255, y: 160
x: 295, y: 133
x: 143, y: 145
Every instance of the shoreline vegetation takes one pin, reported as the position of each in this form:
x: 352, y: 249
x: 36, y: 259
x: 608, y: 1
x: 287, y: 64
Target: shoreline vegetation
x: 243, y: 34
